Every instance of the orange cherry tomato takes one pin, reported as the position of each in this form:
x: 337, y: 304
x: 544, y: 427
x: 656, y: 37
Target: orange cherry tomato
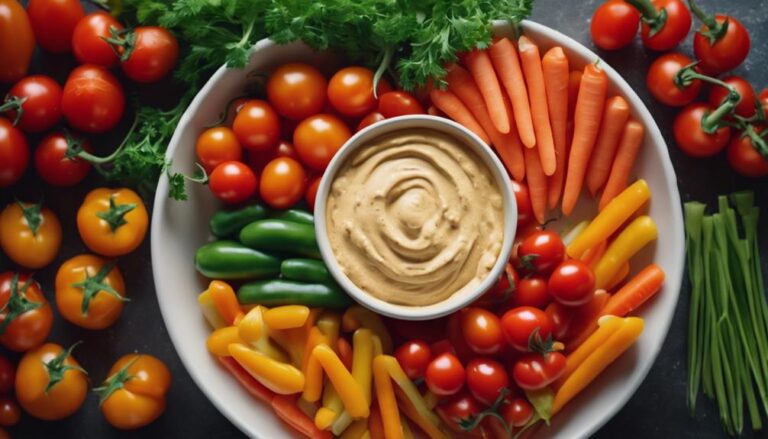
x: 311, y: 194
x: 482, y: 330
x: 25, y: 316
x: 257, y: 126
x: 30, y: 234
x: 297, y: 90
x: 399, y: 103
x: 112, y: 222
x: 350, y: 91
x: 317, y: 138
x: 17, y: 41
x: 282, y: 182
x: 90, y: 292
x: 217, y: 145
x: 134, y: 393
x: 50, y: 384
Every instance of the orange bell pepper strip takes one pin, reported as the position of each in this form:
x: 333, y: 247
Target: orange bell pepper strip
x: 350, y: 392
x: 219, y: 340
x: 205, y: 300
x: 597, y: 356
x: 287, y: 409
x: 631, y: 240
x: 385, y: 395
x: 313, y: 371
x: 375, y: 426
x: 613, y: 215
x: 358, y: 317
x: 225, y: 301
x: 286, y: 317
x: 250, y: 384
x: 279, y: 377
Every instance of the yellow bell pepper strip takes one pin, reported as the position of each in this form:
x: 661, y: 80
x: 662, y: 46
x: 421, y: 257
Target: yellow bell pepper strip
x: 385, y: 395
x: 281, y: 378
x: 350, y: 392
x: 225, y: 301
x: 613, y: 215
x: 313, y: 371
x: 252, y: 329
x: 412, y: 413
x: 375, y: 426
x: 356, y: 430
x: 286, y: 317
x: 620, y: 276
x: 356, y: 317
x: 601, y: 357
x: 362, y: 359
x: 631, y: 240
x: 219, y: 340
x: 294, y: 341
x: 608, y: 326
x: 205, y: 300
x: 378, y: 349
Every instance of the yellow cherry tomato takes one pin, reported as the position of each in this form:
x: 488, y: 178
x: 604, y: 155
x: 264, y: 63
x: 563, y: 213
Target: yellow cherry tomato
x: 30, y: 234
x: 112, y: 222
x: 50, y: 384
x: 134, y: 393
x: 90, y: 291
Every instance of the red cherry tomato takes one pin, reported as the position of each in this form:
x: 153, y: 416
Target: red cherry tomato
x: 297, y: 90
x: 258, y: 159
x: 370, y: 120
x: 233, y: 182
x: 541, y: 251
x: 350, y: 91
x: 155, y: 52
x: 727, y: 52
x: 674, y: 30
x: 445, y: 375
x: 660, y: 80
x: 572, y: 283
x: 691, y: 137
x: 93, y: 99
x: 744, y: 157
x: 414, y: 356
x: 746, y: 105
x: 317, y: 138
x: 535, y: 371
x: 504, y: 288
x: 519, y: 324
x: 10, y: 412
x: 614, y: 25
x: 456, y: 338
x: 53, y: 22
x: 523, y: 199
x: 14, y: 153
x: 398, y: 103
x: 311, y: 194
x: 7, y: 375
x: 456, y: 409
x: 282, y: 182
x: 531, y: 291
x: 54, y: 166
x: 29, y: 326
x: 517, y: 413
x: 257, y: 126
x: 561, y: 317
x: 41, y: 109
x: 88, y: 39
x: 485, y: 379
x: 482, y: 330
x: 764, y: 100
x: 217, y: 145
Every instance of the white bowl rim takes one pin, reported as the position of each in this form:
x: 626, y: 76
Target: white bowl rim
x: 488, y: 157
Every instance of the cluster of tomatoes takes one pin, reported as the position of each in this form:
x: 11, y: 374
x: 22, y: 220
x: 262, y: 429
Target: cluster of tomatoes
x: 507, y: 341
x: 92, y: 99
x: 278, y: 147
x: 733, y: 115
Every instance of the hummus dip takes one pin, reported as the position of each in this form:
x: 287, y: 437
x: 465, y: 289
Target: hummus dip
x: 414, y: 217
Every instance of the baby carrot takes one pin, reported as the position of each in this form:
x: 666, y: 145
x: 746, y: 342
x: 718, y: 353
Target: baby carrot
x: 449, y: 104
x: 555, y: 68
x: 504, y: 58
x: 479, y: 64
x: 637, y: 291
x: 589, y: 111
x: 615, y: 116
x: 629, y: 147
x: 534, y: 78
x: 537, y: 184
x: 574, y: 82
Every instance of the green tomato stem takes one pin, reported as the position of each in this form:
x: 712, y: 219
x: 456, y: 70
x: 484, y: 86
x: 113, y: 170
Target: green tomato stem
x: 655, y: 19
x: 715, y: 31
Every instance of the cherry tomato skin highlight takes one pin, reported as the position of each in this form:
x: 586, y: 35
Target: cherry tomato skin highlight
x: 7, y: 375
x: 217, y: 145
x: 350, y: 91
x: 369, y: 120
x: 660, y: 80
x: 257, y: 126
x: 414, y: 357
x: 87, y: 39
x: 745, y: 159
x: 14, y: 153
x: 485, y: 379
x: 519, y: 323
x: 542, y: 251
x: 297, y: 91
x: 523, y: 199
x: 572, y: 283
x: 535, y: 371
x: 311, y: 195
x: 233, y: 182
x: 746, y: 105
x: 399, y: 103
x: 675, y: 29
x: 690, y: 136
x: 53, y: 165
x: 531, y: 291
x: 727, y: 52
x: 283, y: 182
x: 517, y: 412
x: 54, y: 23
x: 317, y: 138
x: 445, y: 375
x: 29, y: 329
x: 41, y: 109
x: 93, y: 99
x: 482, y: 330
x: 614, y: 25
x: 154, y: 54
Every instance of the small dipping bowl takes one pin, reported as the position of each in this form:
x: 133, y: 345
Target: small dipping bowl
x: 499, y: 174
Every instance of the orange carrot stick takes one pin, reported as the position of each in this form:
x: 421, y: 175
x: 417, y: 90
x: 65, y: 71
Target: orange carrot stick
x: 449, y: 104
x: 615, y: 115
x: 574, y: 82
x: 479, y: 64
x: 555, y: 68
x: 508, y: 145
x: 629, y: 147
x: 534, y: 78
x: 345, y: 352
x: 537, y: 184
x: 637, y: 291
x: 589, y: 110
x: 507, y: 65
x: 287, y: 410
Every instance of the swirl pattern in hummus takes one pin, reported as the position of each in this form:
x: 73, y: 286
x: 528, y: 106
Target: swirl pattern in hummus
x: 414, y: 217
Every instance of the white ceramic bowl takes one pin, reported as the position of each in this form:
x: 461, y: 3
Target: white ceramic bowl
x: 472, y: 142
x: 179, y: 228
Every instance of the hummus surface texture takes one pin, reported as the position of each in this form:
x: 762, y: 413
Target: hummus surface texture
x: 415, y: 216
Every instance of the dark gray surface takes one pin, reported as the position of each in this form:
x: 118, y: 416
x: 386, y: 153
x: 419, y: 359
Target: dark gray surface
x: 657, y: 409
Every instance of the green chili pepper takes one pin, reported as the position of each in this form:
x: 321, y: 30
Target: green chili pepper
x: 231, y: 260
x: 228, y: 223
x: 278, y: 292
x: 281, y: 236
x: 306, y: 270
x: 294, y: 216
